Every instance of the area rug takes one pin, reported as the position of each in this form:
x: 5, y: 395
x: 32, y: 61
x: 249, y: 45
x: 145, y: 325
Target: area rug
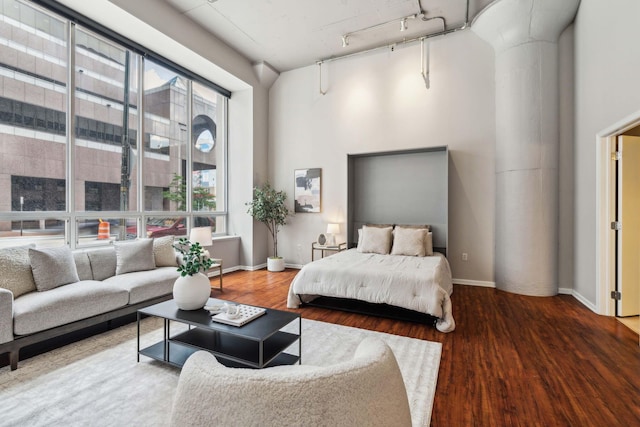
x: 97, y: 381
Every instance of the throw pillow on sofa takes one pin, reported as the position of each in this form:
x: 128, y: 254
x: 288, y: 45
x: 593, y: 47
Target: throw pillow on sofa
x: 103, y: 262
x: 53, y: 267
x: 163, y: 252
x: 134, y: 256
x: 16, y: 270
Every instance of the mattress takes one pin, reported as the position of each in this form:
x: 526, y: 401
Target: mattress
x: 422, y: 284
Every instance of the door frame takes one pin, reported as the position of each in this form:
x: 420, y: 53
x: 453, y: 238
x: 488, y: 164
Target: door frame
x: 605, y: 212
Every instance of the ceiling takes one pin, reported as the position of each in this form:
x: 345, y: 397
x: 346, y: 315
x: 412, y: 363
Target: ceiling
x: 289, y: 34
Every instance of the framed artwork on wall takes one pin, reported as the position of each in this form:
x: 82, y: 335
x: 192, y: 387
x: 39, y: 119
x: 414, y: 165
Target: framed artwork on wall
x: 308, y: 190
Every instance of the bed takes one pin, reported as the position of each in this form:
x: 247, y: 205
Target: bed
x: 397, y: 270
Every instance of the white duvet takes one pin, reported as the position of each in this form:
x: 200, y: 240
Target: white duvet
x: 421, y: 284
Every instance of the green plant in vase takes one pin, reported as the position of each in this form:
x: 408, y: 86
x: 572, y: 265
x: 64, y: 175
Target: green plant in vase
x: 192, y: 289
x: 194, y: 258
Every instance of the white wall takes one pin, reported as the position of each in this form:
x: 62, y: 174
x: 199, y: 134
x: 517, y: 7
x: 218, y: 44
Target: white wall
x: 607, y: 79
x: 378, y: 102
x: 566, y: 161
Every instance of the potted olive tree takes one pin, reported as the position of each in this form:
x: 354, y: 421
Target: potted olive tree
x: 268, y: 206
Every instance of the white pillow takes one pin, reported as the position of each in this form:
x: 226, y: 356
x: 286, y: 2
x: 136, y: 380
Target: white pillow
x: 16, y: 270
x: 376, y: 240
x: 134, y: 256
x: 53, y: 267
x: 409, y: 241
x: 428, y: 244
x: 163, y: 252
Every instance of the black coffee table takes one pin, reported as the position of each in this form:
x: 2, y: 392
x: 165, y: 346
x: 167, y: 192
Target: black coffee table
x: 258, y: 344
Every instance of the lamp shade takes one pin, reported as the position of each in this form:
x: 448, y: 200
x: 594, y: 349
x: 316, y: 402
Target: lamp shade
x: 201, y: 235
x: 333, y: 228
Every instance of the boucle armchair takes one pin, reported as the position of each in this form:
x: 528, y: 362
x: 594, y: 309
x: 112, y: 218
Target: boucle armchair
x: 366, y: 390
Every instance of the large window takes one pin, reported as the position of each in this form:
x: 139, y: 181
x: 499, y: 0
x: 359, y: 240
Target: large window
x: 166, y: 148
x: 33, y: 129
x: 148, y: 171
x: 208, y: 166
x: 106, y: 125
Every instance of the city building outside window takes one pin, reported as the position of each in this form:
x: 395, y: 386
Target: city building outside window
x: 135, y: 173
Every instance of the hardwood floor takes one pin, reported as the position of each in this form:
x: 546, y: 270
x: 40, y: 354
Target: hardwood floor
x: 512, y: 360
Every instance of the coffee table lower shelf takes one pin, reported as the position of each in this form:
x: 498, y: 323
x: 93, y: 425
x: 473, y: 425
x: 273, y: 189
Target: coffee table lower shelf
x: 269, y: 340
x: 231, y: 351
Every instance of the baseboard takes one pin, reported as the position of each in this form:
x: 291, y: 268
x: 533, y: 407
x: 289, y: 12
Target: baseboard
x: 591, y: 306
x: 252, y: 267
x: 474, y: 283
x: 261, y: 266
x: 565, y: 291
x: 224, y: 271
x: 296, y: 266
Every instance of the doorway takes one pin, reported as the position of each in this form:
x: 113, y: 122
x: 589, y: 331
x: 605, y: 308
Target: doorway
x: 613, y: 266
x: 627, y: 225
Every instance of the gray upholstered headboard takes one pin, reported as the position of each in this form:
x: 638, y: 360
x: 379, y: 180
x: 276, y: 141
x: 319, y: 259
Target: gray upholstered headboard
x: 400, y: 187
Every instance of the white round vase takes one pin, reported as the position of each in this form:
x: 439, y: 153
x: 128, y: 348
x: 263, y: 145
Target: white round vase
x: 275, y: 264
x: 191, y: 292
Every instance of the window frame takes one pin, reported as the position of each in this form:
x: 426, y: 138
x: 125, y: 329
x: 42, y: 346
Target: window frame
x: 71, y: 216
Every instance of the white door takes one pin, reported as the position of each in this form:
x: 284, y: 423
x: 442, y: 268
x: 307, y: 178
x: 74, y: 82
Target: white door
x: 628, y: 283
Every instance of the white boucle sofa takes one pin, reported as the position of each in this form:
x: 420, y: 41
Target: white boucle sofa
x: 111, y: 282
x: 367, y: 390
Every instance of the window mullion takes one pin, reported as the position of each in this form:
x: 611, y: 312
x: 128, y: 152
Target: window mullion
x: 140, y: 141
x: 125, y: 159
x: 189, y: 171
x: 71, y: 229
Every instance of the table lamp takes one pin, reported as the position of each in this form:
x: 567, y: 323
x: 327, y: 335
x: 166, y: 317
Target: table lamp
x: 202, y: 235
x: 332, y: 230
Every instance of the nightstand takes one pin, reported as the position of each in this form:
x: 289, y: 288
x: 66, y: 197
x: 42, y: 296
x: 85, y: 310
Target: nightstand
x: 315, y: 246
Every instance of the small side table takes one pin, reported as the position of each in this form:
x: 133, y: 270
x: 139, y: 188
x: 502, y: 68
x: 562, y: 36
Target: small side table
x: 315, y: 246
x: 217, y: 263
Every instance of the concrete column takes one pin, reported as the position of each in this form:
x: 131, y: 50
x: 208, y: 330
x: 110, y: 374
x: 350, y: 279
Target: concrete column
x: 524, y: 34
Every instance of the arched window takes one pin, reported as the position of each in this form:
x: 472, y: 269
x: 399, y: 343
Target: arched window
x: 204, y: 133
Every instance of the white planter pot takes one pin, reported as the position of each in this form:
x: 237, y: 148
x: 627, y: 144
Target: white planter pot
x: 275, y: 264
x: 191, y: 292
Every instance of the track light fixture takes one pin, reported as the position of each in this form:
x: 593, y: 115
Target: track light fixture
x: 424, y: 45
x: 403, y: 27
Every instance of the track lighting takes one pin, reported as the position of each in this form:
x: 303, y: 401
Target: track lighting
x: 424, y: 60
x: 403, y: 27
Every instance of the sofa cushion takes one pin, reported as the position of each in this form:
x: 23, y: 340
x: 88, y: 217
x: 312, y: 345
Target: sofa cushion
x: 38, y: 311
x: 134, y: 256
x: 16, y: 270
x: 83, y: 265
x: 144, y: 285
x: 52, y: 267
x: 163, y: 252
x: 6, y: 315
x: 103, y: 262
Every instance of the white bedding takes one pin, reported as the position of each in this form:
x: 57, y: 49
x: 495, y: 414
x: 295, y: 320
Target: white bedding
x: 421, y: 284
